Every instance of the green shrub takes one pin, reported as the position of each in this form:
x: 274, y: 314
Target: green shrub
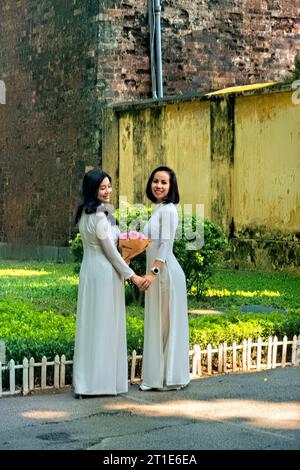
x: 76, y: 247
x: 199, y: 264
x: 135, y: 334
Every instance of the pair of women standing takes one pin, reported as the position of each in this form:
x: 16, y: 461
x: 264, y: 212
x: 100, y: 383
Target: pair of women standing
x: 100, y: 359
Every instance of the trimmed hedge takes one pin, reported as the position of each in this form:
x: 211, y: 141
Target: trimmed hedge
x: 237, y: 327
x: 28, y: 332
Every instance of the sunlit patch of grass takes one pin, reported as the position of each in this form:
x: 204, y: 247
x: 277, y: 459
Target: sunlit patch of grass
x: 22, y: 272
x: 72, y: 280
x: 59, y: 283
x: 225, y: 293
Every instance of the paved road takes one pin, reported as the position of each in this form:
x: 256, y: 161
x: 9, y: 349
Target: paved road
x: 252, y: 411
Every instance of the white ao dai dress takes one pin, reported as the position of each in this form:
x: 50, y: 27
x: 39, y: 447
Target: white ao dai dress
x: 166, y: 335
x: 100, y: 359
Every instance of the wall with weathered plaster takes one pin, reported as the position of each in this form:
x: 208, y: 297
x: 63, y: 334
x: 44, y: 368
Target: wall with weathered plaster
x: 236, y: 153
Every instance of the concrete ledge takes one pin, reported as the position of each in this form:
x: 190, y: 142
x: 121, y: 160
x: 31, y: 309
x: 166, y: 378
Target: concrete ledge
x: 202, y: 95
x: 20, y: 251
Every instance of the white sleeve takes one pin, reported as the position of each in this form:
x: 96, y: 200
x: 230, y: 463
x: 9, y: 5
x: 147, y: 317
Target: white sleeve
x: 103, y: 232
x: 168, y: 220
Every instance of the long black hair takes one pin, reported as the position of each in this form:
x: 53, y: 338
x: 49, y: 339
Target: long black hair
x: 173, y: 194
x: 89, y: 194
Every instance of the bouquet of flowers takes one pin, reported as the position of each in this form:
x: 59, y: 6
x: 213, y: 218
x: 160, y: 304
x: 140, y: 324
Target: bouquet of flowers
x: 132, y: 244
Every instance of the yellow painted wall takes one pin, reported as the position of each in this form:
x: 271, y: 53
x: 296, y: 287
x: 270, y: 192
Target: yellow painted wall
x: 177, y: 135
x: 141, y: 148
x: 258, y: 188
x: 187, y: 137
x: 266, y: 174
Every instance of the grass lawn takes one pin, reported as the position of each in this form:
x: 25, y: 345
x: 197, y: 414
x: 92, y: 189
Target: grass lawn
x: 53, y: 286
x: 237, y: 288
x: 38, y: 305
x: 45, y: 285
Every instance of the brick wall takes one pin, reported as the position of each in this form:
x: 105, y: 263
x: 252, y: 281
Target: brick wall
x: 63, y: 60
x: 49, y: 126
x: 218, y: 43
x: 206, y: 44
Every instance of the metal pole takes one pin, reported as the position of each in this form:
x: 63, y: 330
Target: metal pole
x: 152, y: 53
x: 159, y: 81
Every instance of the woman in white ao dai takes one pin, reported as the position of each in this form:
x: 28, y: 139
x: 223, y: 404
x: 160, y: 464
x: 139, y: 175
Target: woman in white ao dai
x: 100, y: 359
x: 166, y: 335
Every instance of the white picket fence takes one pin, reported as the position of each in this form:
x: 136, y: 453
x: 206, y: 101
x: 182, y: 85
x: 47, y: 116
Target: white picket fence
x: 246, y: 357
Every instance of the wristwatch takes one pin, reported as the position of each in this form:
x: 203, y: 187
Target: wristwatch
x: 155, y: 271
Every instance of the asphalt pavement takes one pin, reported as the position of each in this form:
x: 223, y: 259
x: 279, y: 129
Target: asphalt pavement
x: 243, y: 411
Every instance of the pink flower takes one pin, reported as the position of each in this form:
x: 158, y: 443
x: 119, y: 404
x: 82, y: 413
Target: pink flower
x: 133, y: 235
x: 123, y: 236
